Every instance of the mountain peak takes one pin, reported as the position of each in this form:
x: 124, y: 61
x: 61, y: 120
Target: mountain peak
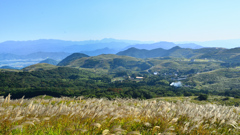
x: 175, y: 48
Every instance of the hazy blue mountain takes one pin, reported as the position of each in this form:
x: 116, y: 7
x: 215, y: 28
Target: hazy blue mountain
x: 52, y: 45
x: 230, y: 43
x: 164, y: 45
x: 49, y: 61
x: 95, y: 46
x: 108, y: 40
x: 71, y: 58
x: 8, y: 56
x: 27, y: 47
x: 190, y: 45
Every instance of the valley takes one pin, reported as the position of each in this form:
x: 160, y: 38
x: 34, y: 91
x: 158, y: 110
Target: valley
x: 111, y: 76
x: 134, y: 81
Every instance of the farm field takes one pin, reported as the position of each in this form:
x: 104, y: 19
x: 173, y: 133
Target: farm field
x: 89, y: 116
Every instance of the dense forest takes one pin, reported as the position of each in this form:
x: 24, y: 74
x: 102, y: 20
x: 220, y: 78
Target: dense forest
x: 66, y: 81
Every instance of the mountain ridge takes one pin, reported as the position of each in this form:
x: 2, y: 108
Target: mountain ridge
x: 55, y: 45
x: 227, y: 55
x: 164, y: 45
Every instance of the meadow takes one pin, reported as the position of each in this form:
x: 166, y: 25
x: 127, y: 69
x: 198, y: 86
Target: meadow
x: 88, y: 116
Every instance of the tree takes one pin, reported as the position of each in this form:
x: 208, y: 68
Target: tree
x: 134, y: 76
x: 202, y: 97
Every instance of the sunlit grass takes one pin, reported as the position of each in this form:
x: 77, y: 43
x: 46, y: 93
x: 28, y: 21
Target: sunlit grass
x: 212, y: 99
x: 120, y: 116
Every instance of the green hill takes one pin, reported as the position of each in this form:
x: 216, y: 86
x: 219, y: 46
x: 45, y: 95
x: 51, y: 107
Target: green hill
x: 71, y: 58
x: 182, y: 66
x: 114, y: 63
x: 216, y: 80
x: 174, y: 52
x: 39, y: 66
x: 143, y: 53
x: 110, y: 62
x: 134, y: 52
x: 180, y: 52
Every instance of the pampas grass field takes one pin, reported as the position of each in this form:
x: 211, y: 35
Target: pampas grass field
x: 74, y: 116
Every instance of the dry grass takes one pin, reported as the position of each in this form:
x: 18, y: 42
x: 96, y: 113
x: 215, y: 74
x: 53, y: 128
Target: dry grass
x: 120, y: 116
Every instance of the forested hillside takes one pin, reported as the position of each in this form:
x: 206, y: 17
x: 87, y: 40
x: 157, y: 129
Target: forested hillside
x: 224, y: 80
x: 65, y: 81
x: 71, y: 58
x: 109, y: 62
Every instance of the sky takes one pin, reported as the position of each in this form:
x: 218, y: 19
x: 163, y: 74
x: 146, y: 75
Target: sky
x: 144, y: 20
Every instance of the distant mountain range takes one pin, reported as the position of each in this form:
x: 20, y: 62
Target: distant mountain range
x: 96, y: 47
x: 229, y: 43
x: 90, y: 47
x: 131, y: 59
x: 164, y: 45
x: 52, y: 45
x: 23, y: 53
x: 228, y: 55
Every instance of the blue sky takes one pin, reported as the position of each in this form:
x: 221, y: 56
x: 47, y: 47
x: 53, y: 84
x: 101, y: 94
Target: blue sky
x: 145, y: 20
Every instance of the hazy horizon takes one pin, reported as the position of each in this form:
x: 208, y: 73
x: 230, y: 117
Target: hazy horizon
x: 120, y: 39
x: 154, y: 20
x: 228, y: 43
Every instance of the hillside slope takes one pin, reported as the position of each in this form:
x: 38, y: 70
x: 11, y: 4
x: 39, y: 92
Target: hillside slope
x: 164, y: 45
x: 38, y: 67
x: 217, y: 80
x: 159, y: 52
